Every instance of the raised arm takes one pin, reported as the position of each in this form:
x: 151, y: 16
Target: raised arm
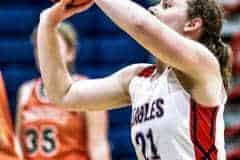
x: 95, y: 94
x: 163, y: 42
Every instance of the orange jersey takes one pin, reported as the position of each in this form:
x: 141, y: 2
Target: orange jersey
x: 7, y: 137
x: 49, y: 133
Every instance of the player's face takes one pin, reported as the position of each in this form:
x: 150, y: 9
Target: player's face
x: 171, y: 12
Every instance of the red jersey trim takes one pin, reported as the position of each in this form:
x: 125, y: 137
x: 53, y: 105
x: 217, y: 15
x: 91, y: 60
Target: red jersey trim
x: 203, y: 131
x: 147, y: 72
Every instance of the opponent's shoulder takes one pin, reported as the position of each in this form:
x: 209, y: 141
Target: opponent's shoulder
x: 24, y: 92
x: 27, y: 85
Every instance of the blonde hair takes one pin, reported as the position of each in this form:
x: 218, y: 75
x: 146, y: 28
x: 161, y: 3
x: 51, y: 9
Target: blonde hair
x: 66, y: 30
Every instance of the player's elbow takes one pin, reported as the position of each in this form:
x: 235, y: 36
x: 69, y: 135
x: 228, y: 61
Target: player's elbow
x: 66, y: 102
x: 60, y: 102
x: 56, y: 99
x: 58, y: 95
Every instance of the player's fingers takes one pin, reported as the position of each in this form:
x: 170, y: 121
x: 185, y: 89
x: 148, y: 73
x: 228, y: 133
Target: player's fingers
x: 65, y: 2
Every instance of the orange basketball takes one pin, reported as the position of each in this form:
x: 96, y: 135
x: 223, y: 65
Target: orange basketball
x: 76, y: 2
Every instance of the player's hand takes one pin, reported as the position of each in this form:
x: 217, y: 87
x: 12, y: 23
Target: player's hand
x: 61, y: 11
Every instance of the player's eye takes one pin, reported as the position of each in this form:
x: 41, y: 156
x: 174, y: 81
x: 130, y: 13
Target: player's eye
x: 166, y: 5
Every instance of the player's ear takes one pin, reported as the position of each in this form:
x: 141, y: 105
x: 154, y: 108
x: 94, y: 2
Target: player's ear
x: 193, y: 25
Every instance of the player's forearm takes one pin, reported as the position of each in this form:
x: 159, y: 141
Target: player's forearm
x: 54, y: 73
x: 124, y: 13
x: 145, y: 28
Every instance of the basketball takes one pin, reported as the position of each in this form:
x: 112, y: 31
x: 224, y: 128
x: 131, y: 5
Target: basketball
x: 76, y: 2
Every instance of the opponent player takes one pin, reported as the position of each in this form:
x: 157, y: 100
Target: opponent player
x: 177, y: 104
x: 49, y: 133
x: 8, y: 142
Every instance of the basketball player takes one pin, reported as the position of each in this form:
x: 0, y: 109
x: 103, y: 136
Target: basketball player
x: 50, y: 133
x: 177, y: 104
x: 8, y: 142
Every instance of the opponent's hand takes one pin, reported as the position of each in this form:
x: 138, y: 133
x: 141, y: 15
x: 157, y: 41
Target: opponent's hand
x: 61, y: 11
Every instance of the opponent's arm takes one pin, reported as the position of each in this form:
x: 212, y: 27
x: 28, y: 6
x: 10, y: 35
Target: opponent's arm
x: 97, y: 122
x: 163, y: 42
x: 95, y: 94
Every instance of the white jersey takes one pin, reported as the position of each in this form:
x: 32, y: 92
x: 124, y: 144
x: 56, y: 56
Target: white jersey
x: 167, y: 124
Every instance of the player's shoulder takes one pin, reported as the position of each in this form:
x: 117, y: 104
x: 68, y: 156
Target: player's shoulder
x: 24, y: 92
x: 147, y: 71
x: 27, y: 85
x: 137, y: 68
x: 134, y: 70
x: 126, y: 74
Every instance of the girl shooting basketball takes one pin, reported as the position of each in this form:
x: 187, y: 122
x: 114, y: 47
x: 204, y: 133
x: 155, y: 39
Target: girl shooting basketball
x: 177, y: 104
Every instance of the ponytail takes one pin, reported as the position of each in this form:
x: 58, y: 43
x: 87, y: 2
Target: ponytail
x: 223, y: 53
x: 211, y: 13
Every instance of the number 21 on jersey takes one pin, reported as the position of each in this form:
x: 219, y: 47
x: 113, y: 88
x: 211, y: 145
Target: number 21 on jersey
x: 147, y: 140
